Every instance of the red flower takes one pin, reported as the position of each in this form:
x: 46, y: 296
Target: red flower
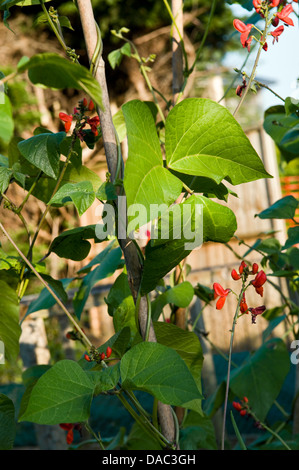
x: 237, y: 405
x: 67, y: 119
x: 70, y: 433
x: 257, y: 5
x: 274, y: 3
x: 90, y: 106
x: 255, y: 268
x: 244, y: 29
x: 256, y: 311
x: 235, y: 275
x: 277, y: 32
x: 108, y: 351
x: 243, y: 265
x: 69, y: 427
x: 221, y: 293
x: 243, y: 304
x: 259, y: 279
x: 283, y: 15
x: 94, y: 122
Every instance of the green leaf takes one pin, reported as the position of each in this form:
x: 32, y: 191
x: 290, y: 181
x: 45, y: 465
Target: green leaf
x: 202, y: 138
x: 237, y: 432
x: 262, y: 376
x: 54, y: 71
x: 121, y: 305
x: 115, y: 57
x: 81, y: 194
x: 21, y: 3
x: 278, y: 124
x: 146, y: 181
x: 10, y: 330
x: 7, y: 423
x: 5, y: 175
x: 293, y: 237
x: 109, y: 264
x: 187, y: 345
x: 209, y: 220
x: 179, y: 295
x: 106, y: 192
x: 105, y: 379
x: 284, y: 208
x: 197, y: 432
x: 43, y: 151
x: 73, y: 244
x: 6, y: 119
x: 159, y: 371
x: 45, y: 300
x: 63, y: 394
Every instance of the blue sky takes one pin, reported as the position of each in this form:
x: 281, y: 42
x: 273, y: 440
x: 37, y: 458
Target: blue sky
x: 278, y: 67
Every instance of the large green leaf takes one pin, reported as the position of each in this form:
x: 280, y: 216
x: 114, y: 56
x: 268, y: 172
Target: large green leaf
x: 6, y: 119
x: 146, y: 181
x: 80, y: 194
x: 63, y: 394
x: 202, y: 138
x: 10, y: 330
x: 217, y: 223
x: 262, y: 376
x: 43, y: 151
x: 54, y: 71
x: 160, y: 371
x: 7, y: 423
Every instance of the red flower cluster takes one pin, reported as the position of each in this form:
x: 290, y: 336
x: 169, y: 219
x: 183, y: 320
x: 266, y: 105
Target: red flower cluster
x: 261, y: 7
x: 242, y: 407
x: 81, y: 120
x: 243, y: 273
x: 70, y: 427
x: 99, y: 357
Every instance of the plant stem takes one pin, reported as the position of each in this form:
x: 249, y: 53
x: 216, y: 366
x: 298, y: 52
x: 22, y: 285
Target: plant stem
x: 270, y: 431
x: 230, y: 363
x: 91, y: 431
x: 86, y: 340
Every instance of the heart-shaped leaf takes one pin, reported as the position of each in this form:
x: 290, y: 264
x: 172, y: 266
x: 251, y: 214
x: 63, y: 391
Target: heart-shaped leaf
x: 54, y: 71
x: 160, y: 371
x: 205, y: 220
x: 146, y: 181
x: 63, y: 394
x: 81, y: 194
x: 43, y: 151
x: 202, y: 138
